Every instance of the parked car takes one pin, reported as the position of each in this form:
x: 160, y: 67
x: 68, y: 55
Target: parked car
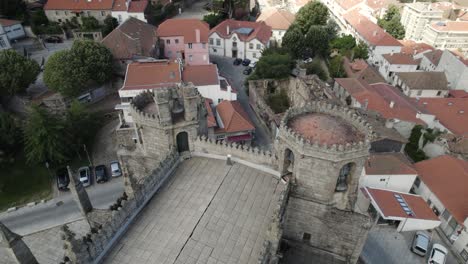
x: 420, y: 243
x: 115, y: 169
x: 54, y: 39
x: 237, y: 61
x: 253, y: 64
x: 101, y: 174
x: 85, y: 176
x: 246, y: 62
x: 247, y: 70
x: 62, y: 179
x: 438, y: 254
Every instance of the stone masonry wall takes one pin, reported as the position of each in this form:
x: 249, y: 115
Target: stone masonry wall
x: 336, y: 231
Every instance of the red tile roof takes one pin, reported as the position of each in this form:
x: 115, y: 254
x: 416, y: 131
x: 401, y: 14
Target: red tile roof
x: 434, y: 56
x: 136, y: 6
x: 151, y: 75
x: 8, y: 22
x: 401, y: 58
x: 210, y: 118
x: 234, y: 118
x: 186, y: 28
x: 412, y: 48
x: 389, y: 164
x: 370, y: 31
x: 79, y: 5
x: 201, y: 74
x: 359, y: 69
x: 452, y: 113
x: 348, y: 4
x: 277, y: 18
x: 458, y: 94
x: 447, y: 178
x: 390, y: 206
x: 261, y: 31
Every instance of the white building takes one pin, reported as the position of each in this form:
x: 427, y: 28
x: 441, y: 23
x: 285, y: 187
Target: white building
x: 239, y: 39
x: 455, y: 68
x: 422, y: 84
x: 4, y: 42
x: 417, y: 15
x: 389, y: 171
x: 123, y: 9
x: 398, y: 62
x: 447, y: 35
x: 13, y: 28
x: 442, y: 184
x: 279, y: 20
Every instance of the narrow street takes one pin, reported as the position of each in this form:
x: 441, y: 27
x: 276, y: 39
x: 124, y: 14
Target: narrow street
x: 236, y: 79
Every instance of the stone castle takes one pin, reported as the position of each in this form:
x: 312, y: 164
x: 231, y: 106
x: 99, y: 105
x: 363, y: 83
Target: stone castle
x: 318, y: 152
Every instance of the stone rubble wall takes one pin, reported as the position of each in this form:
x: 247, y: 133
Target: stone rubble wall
x: 95, y: 245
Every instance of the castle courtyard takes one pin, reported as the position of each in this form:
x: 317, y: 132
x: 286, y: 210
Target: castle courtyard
x: 208, y: 212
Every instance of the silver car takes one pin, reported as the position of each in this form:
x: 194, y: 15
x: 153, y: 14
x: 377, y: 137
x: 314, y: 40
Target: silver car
x: 115, y: 169
x: 420, y: 243
x: 85, y: 176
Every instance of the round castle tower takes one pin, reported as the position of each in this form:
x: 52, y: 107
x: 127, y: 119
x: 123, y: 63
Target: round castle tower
x: 325, y: 147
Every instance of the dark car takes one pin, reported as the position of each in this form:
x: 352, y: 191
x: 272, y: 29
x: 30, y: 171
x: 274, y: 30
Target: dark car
x: 54, y: 39
x: 247, y: 70
x: 237, y: 61
x: 246, y: 62
x: 62, y: 179
x: 101, y: 174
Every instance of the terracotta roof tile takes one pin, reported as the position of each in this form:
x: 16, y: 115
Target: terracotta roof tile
x: 452, y: 113
x: 210, y: 118
x: 390, y: 207
x: 8, y: 22
x: 412, y: 48
x: 277, y: 18
x: 370, y: 31
x: 201, y: 74
x: 389, y: 164
x: 136, y: 6
x: 261, y: 31
x: 348, y: 4
x: 458, y: 94
x: 186, y: 28
x: 424, y: 80
x: 233, y: 116
x: 79, y: 5
x: 434, y: 56
x: 132, y: 38
x: 360, y: 69
x: 447, y: 178
x: 151, y: 75
x: 401, y: 58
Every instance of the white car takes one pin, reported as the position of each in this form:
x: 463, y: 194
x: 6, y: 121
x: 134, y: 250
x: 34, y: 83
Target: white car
x: 438, y: 254
x: 115, y: 169
x: 85, y: 176
x: 253, y: 65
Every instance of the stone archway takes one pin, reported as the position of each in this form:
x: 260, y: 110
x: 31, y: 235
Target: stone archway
x: 288, y: 163
x: 182, y: 142
x: 344, y: 177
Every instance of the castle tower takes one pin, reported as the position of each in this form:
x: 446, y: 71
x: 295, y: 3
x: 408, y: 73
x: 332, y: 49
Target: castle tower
x: 324, y: 147
x: 79, y: 193
x: 19, y: 251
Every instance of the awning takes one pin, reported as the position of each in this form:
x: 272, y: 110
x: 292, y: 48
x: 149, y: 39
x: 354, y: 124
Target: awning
x: 240, y: 138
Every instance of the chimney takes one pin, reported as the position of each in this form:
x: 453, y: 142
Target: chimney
x: 197, y: 35
x: 392, y: 103
x: 374, y: 33
x: 366, y: 103
x: 127, y: 3
x: 227, y: 30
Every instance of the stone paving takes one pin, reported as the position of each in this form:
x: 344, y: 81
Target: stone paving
x: 208, y: 213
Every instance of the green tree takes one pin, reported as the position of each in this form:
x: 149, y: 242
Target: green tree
x: 278, y: 102
x: 335, y: 68
x: 317, y: 41
x: 89, y: 23
x: 44, y: 137
x: 276, y: 66
x: 361, y: 51
x: 313, y: 13
x: 14, y: 9
x: 10, y: 134
x: 213, y: 19
x: 391, y: 22
x: 343, y: 43
x: 95, y: 59
x: 110, y: 23
x: 294, y: 41
x: 16, y: 72
x: 316, y: 68
x: 81, y: 125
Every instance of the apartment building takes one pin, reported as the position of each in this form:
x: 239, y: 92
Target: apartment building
x: 416, y: 16
x: 447, y: 35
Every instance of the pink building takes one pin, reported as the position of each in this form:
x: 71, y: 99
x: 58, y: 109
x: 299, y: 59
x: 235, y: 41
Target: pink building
x: 186, y: 39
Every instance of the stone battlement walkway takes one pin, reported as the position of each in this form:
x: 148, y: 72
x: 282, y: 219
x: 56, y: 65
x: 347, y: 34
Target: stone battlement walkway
x: 208, y: 213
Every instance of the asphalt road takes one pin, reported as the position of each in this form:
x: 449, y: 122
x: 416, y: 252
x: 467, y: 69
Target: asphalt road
x: 236, y: 79
x: 62, y: 209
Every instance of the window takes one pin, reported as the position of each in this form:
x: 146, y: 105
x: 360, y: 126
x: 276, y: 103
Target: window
x: 120, y: 18
x: 168, y: 41
x: 60, y: 20
x: 176, y: 41
x: 439, y: 93
x: 417, y: 182
x: 446, y: 215
x: 204, y: 45
x: 419, y: 92
x: 259, y: 46
x: 190, y: 45
x: 382, y: 180
x: 436, y: 211
x: 190, y: 57
x: 251, y: 46
x: 342, y: 181
x: 66, y: 13
x: 234, y: 44
x: 220, y: 137
x: 215, y: 50
x: 169, y: 53
x: 103, y: 13
x: 89, y: 13
x: 218, y: 42
x: 464, y: 254
x: 306, y: 237
x: 255, y: 55
x: 211, y: 41
x: 56, y: 13
x: 429, y: 202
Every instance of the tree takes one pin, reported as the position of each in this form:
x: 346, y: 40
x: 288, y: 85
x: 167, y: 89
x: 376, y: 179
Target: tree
x: 276, y: 66
x: 89, y: 23
x: 78, y: 118
x: 9, y: 134
x: 70, y: 71
x: 316, y: 68
x: 317, y: 41
x: 343, y: 43
x: 335, y: 68
x: 14, y: 9
x: 213, y: 19
x: 293, y: 40
x: 16, y: 72
x: 313, y: 13
x: 278, y: 102
x: 391, y: 22
x: 44, y: 137
x: 110, y: 23
x: 361, y: 51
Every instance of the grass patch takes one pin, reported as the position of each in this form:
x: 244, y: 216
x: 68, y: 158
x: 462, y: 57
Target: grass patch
x: 21, y: 183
